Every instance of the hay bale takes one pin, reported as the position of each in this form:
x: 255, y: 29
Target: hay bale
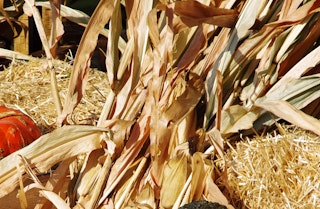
x: 276, y: 171
x: 27, y: 86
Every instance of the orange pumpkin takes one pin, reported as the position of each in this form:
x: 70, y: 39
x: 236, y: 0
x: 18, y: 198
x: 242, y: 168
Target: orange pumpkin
x: 16, y: 130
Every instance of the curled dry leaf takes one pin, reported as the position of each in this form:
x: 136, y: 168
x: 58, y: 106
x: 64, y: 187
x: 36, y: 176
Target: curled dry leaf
x: 194, y: 13
x: 57, y: 27
x: 237, y: 118
x: 295, y: 116
x: 97, y: 22
x: 302, y: 67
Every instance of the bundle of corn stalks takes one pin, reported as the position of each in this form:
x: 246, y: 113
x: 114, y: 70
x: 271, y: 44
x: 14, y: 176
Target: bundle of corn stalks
x: 188, y: 76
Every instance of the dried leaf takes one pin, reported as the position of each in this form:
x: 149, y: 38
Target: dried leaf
x: 288, y: 7
x: 237, y: 118
x: 99, y: 184
x: 55, y: 199
x: 139, y: 135
x: 174, y: 178
x: 8, y: 54
x: 197, y: 182
x: 289, y: 113
x: 84, y: 179
x: 31, y: 10
x: 246, y: 20
x: 125, y: 59
x: 153, y: 27
x: 299, y: 92
x: 146, y: 197
x: 57, y: 27
x: 112, y: 56
x: 56, y: 183
x: 131, y: 183
x: 291, y: 38
x: 217, y: 141
x: 302, y: 67
x: 196, y: 46
x: 299, y: 50
x: 213, y: 193
x: 186, y: 102
x: 138, y: 38
x: 119, y: 129
x: 194, y: 13
x: 87, y: 44
x: 137, y: 27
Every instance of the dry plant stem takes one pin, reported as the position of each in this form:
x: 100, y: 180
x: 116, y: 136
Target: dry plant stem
x: 41, y: 32
x: 12, y: 55
x: 219, y: 78
x: 106, y: 108
x: 131, y: 183
x: 55, y: 91
x: 22, y: 194
x: 29, y: 170
x: 104, y: 173
x: 183, y: 192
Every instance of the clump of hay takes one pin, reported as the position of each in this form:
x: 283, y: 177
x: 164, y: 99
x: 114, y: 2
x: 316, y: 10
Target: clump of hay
x: 27, y: 86
x: 276, y: 171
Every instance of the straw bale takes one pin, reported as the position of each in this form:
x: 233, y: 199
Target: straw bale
x: 27, y: 86
x: 276, y: 171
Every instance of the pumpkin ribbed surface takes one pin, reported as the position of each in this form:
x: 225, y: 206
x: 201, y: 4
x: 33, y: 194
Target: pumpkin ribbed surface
x: 16, y: 130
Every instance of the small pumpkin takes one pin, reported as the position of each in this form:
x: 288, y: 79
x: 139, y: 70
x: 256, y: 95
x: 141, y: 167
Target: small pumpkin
x: 17, y: 130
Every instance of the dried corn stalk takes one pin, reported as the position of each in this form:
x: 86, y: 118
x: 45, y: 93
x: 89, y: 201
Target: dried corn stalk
x: 179, y: 86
